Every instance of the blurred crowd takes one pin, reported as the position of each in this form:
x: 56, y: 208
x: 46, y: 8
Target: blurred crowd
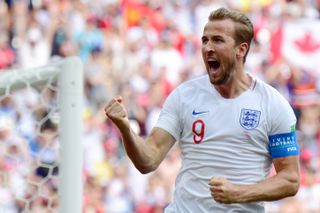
x: 141, y: 50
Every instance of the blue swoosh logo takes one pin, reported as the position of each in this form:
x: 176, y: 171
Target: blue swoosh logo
x: 195, y: 113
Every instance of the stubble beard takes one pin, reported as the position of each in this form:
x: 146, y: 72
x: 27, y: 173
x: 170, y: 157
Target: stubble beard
x: 226, y: 75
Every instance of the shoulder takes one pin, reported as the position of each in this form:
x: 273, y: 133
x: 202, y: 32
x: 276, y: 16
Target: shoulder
x: 188, y: 89
x: 276, y: 104
x: 270, y: 94
x: 195, y: 83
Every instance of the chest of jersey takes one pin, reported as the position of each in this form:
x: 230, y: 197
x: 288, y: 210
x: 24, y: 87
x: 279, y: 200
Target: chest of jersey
x: 239, y: 122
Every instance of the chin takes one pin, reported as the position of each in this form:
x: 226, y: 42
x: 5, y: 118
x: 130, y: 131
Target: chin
x: 219, y: 81
x: 215, y: 81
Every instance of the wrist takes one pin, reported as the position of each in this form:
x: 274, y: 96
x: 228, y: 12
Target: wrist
x: 239, y: 194
x: 123, y: 125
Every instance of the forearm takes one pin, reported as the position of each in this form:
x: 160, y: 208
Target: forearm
x: 142, y: 155
x: 147, y: 154
x: 273, y: 188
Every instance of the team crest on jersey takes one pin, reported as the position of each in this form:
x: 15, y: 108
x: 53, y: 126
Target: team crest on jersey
x: 249, y: 118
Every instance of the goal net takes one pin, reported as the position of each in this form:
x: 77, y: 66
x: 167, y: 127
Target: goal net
x: 41, y: 138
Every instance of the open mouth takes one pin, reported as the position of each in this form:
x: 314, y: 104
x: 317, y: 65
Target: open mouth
x: 213, y: 64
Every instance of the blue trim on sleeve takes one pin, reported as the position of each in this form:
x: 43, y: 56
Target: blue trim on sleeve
x: 283, y: 145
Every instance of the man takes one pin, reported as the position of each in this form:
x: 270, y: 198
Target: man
x: 231, y: 128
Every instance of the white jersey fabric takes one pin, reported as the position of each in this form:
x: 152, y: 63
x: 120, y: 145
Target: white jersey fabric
x: 222, y: 137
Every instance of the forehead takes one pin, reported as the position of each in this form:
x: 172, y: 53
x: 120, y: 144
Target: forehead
x: 223, y: 27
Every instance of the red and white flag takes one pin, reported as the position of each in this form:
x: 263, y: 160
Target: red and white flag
x: 301, y: 44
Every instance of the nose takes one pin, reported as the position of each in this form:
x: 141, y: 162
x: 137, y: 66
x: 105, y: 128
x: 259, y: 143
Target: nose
x: 209, y: 47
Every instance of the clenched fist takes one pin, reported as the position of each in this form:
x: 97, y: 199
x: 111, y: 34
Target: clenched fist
x: 222, y: 190
x: 116, y: 112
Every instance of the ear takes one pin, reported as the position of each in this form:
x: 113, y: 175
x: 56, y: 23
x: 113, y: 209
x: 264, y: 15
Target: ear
x: 242, y: 50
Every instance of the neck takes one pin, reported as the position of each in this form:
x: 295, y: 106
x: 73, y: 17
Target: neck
x: 238, y: 83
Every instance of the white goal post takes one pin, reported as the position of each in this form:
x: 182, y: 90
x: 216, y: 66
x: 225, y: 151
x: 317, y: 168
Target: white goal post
x: 68, y: 73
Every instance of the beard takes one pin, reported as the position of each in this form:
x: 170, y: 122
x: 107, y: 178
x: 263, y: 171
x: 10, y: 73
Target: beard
x: 225, y: 75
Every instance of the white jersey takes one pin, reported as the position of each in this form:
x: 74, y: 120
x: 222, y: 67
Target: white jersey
x: 222, y: 137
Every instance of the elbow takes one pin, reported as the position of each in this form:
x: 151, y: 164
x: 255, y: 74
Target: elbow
x: 294, y: 186
x: 145, y: 169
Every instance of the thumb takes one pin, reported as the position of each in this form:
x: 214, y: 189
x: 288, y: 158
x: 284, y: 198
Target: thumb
x: 215, y: 181
x: 119, y: 99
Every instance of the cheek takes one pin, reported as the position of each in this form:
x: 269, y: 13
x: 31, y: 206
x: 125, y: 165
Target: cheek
x: 203, y: 51
x: 238, y: 54
x: 229, y: 54
x: 203, y: 56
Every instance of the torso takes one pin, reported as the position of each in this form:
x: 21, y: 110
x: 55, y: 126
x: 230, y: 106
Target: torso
x: 220, y: 137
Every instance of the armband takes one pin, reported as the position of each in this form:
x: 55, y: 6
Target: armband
x: 283, y: 145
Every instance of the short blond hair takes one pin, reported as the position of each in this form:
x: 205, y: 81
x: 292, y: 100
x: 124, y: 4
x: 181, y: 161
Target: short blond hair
x: 243, y: 26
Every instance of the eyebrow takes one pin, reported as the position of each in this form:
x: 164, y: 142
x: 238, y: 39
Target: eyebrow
x: 213, y: 36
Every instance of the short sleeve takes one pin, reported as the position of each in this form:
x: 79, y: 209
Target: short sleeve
x: 282, y: 136
x: 169, y: 119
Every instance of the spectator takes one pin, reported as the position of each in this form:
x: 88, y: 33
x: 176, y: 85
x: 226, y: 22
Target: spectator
x: 141, y: 50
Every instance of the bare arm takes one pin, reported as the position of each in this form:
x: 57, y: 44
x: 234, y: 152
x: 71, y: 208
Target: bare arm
x: 284, y: 184
x: 146, y: 154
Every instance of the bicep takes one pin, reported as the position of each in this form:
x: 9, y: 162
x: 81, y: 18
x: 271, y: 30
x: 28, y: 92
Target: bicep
x: 161, y: 142
x: 285, y: 153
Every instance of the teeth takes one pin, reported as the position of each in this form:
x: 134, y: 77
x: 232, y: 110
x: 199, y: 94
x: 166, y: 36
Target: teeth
x: 212, y: 61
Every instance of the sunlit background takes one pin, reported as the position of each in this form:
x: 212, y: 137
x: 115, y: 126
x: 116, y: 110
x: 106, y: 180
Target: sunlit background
x: 141, y: 50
